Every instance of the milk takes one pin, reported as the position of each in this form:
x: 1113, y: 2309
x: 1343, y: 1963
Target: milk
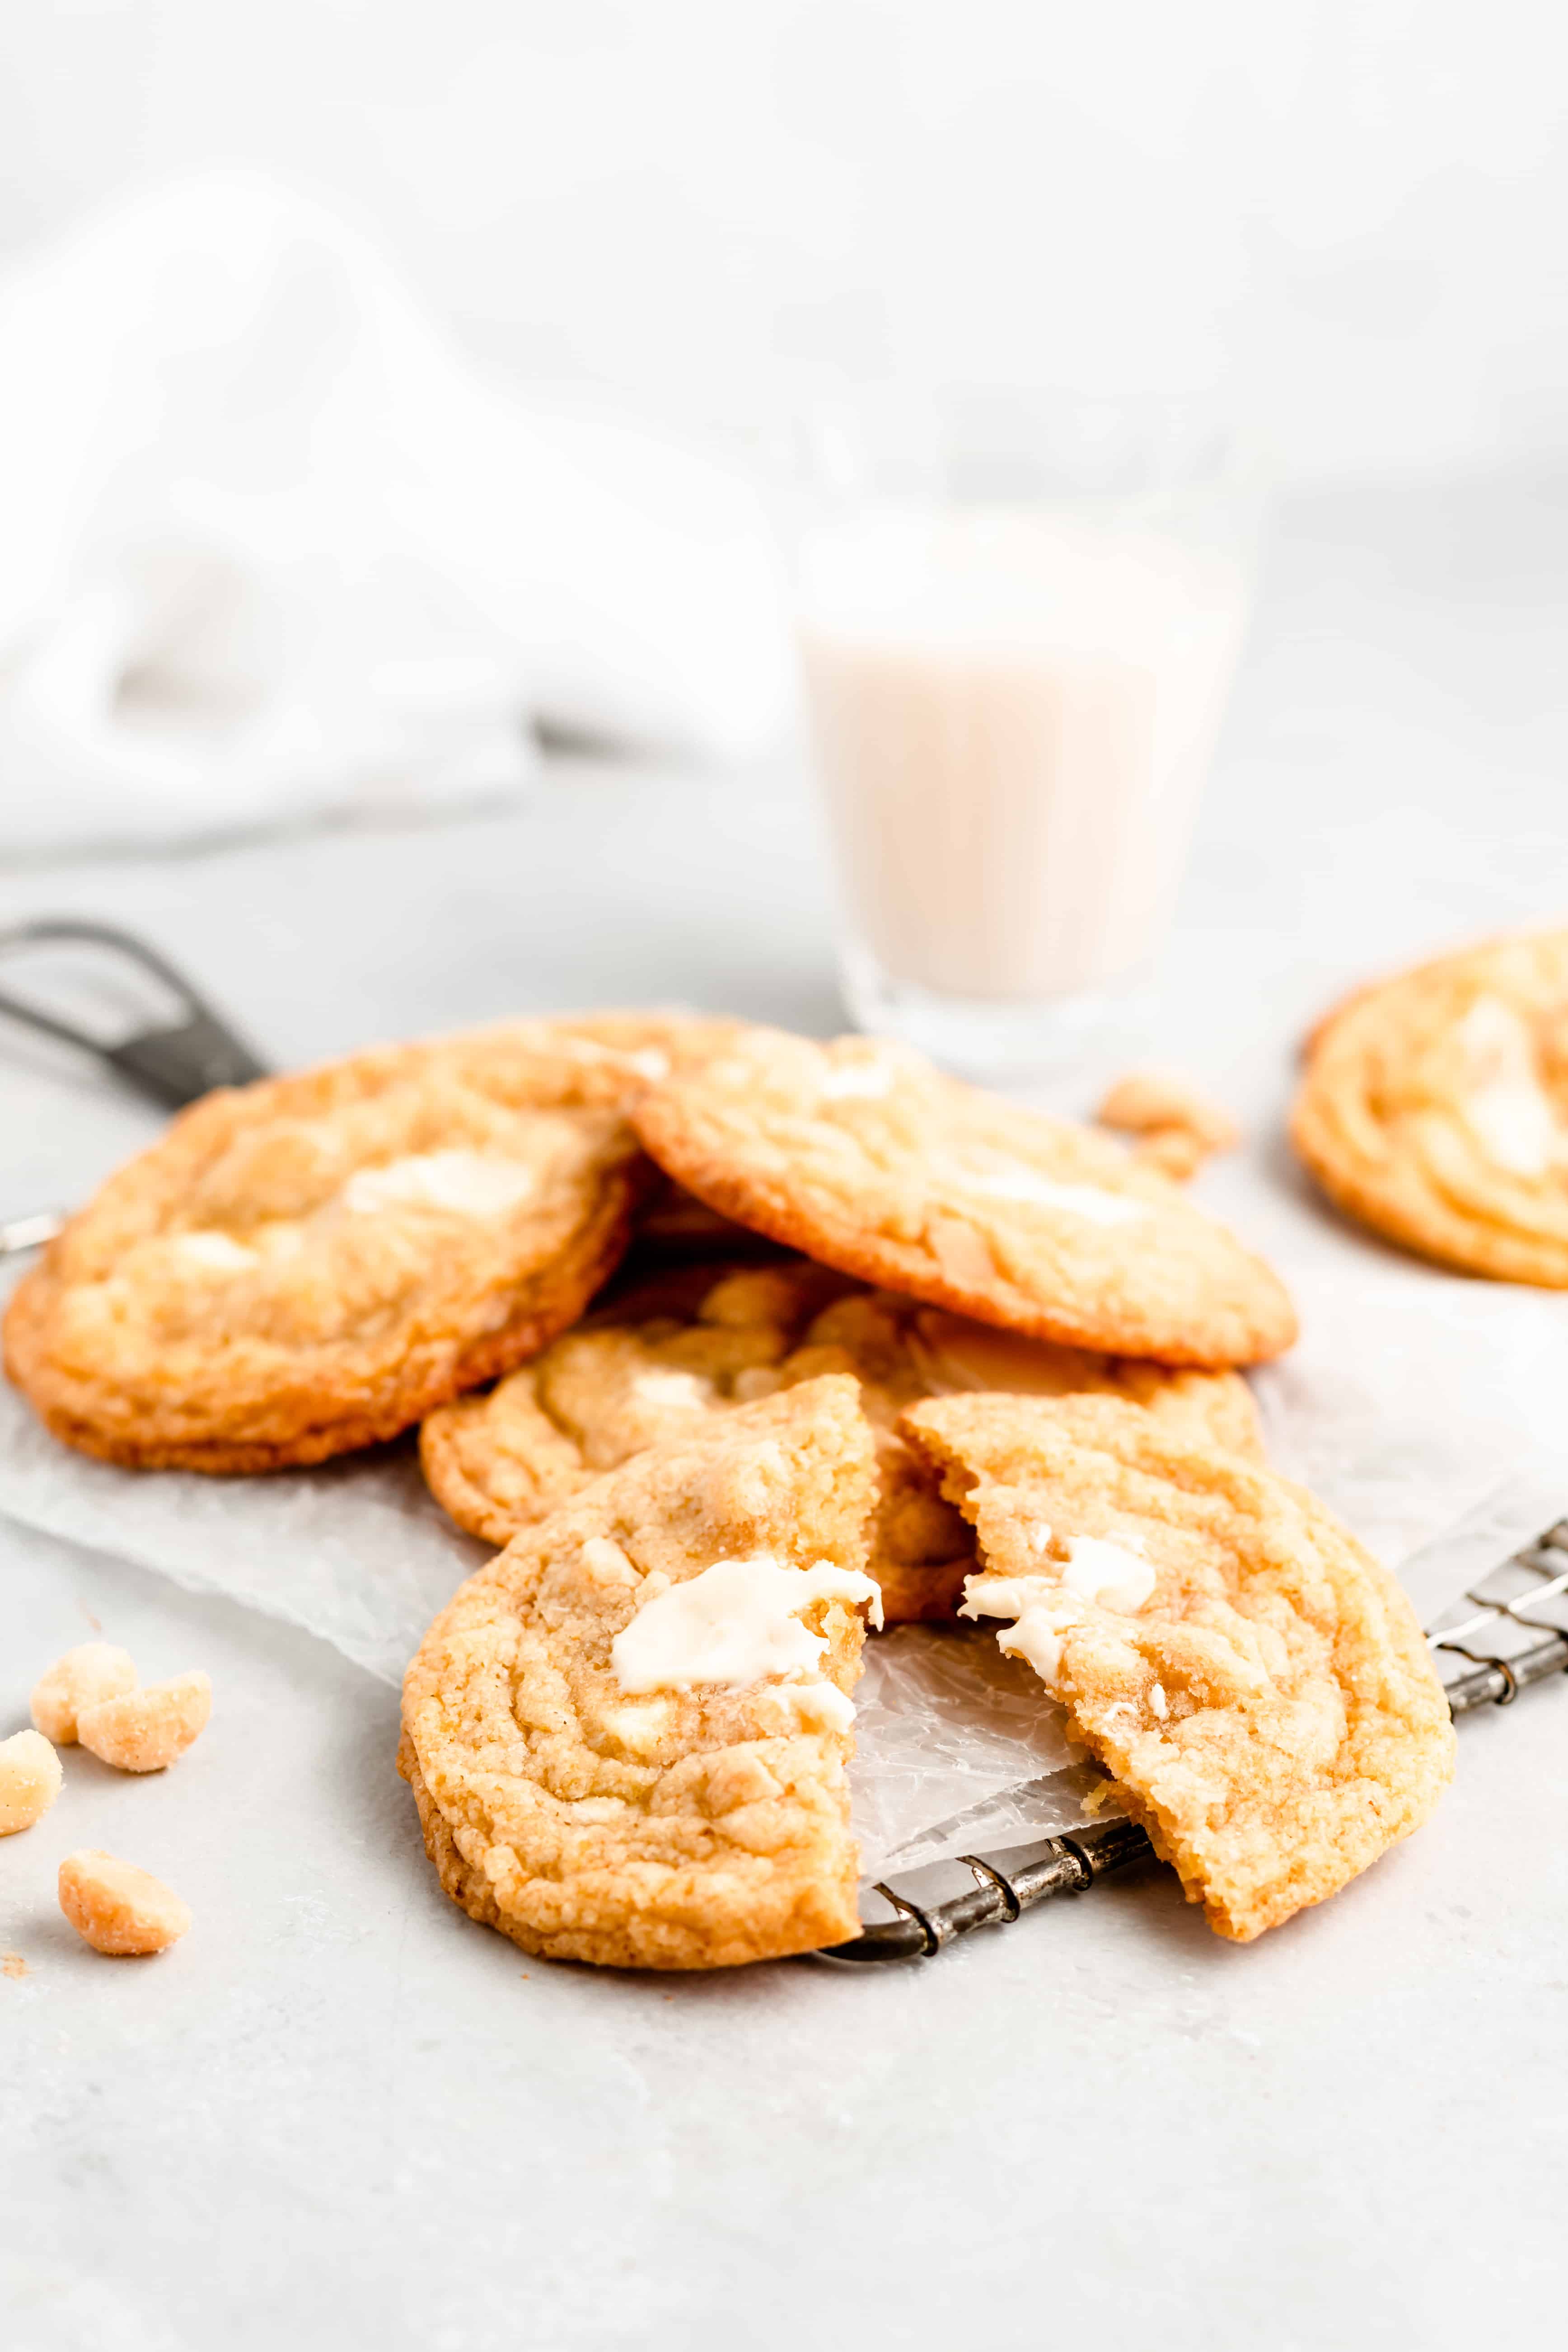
x: 1013, y: 711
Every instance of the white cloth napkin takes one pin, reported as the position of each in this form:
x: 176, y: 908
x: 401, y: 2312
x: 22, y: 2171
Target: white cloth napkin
x: 270, y: 548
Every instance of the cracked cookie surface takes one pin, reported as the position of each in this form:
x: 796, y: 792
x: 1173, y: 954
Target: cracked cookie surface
x: 310, y: 1263
x: 1252, y: 1678
x: 672, y: 1827
x: 1435, y: 1108
x: 865, y: 1158
x: 665, y: 1358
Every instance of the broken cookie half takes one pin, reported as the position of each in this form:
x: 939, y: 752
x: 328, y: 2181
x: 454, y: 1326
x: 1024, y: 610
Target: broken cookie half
x: 1251, y: 1677
x: 627, y: 1736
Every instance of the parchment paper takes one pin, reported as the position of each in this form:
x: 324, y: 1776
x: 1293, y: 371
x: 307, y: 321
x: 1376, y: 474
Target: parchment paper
x: 1431, y: 1412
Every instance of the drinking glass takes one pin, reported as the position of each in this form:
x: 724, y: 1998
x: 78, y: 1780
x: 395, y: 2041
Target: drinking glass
x: 1018, y: 619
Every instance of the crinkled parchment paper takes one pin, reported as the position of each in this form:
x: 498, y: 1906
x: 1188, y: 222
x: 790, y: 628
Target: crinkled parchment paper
x: 1430, y: 1411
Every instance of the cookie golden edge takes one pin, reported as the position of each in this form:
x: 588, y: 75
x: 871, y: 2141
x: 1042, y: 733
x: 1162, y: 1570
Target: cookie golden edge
x: 818, y: 1916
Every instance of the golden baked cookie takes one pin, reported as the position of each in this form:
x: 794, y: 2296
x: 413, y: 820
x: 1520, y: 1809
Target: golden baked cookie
x: 627, y: 1736
x: 312, y: 1263
x: 1251, y: 1677
x: 867, y: 1159
x: 658, y: 1362
x: 1435, y: 1108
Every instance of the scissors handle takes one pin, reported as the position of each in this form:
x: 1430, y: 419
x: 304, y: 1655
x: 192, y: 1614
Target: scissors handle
x: 175, y: 1062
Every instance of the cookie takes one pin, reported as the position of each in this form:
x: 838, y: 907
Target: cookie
x: 865, y: 1157
x: 627, y: 1736
x: 1251, y: 1677
x: 313, y: 1263
x: 664, y: 1359
x: 1434, y: 1108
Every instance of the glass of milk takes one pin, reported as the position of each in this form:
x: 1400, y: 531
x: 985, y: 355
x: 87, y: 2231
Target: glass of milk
x: 1018, y: 621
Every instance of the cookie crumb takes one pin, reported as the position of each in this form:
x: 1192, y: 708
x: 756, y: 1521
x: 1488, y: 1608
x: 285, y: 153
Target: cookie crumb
x: 14, y: 1966
x: 143, y: 1730
x: 1177, y: 1128
x: 85, y: 1675
x: 116, y: 1908
x: 30, y: 1778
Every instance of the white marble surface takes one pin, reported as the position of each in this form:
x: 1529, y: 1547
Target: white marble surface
x: 340, y: 2114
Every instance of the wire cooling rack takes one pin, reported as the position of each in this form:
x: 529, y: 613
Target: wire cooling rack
x: 1507, y: 1631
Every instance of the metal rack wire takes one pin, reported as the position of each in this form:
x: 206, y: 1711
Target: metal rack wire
x: 1496, y: 1631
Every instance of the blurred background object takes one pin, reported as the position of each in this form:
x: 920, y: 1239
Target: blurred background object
x: 1019, y: 617
x: 1350, y: 207
x: 378, y: 386
x: 273, y: 550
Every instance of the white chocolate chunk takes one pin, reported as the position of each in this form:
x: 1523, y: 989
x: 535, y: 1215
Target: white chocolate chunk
x: 1108, y: 1573
x: 815, y: 1706
x: 1043, y: 1613
x: 1093, y: 1202
x: 463, y: 1183
x: 30, y: 1778
x: 665, y: 1385
x: 638, y: 1727
x: 1036, y: 1638
x: 1506, y: 1107
x: 734, y: 1624
x: 213, y: 1253
x: 1101, y: 1574
x: 865, y: 1081
x: 606, y: 1563
x: 1008, y: 1596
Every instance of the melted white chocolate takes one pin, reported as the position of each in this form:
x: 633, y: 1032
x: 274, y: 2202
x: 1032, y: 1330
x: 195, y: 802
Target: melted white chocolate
x: 1108, y: 1573
x: 214, y: 1253
x: 866, y: 1080
x: 1017, y: 1182
x: 463, y: 1183
x: 666, y: 1385
x: 1505, y: 1105
x: 815, y: 1705
x: 1103, y: 1574
x: 734, y: 1624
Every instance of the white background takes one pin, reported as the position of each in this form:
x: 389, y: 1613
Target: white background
x: 1352, y: 211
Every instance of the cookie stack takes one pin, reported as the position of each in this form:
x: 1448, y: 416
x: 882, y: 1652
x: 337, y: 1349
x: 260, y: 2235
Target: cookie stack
x: 879, y: 1347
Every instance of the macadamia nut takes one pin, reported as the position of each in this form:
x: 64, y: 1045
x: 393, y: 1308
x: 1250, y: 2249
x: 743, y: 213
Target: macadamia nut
x: 142, y: 1730
x: 30, y: 1778
x: 84, y: 1676
x: 1177, y: 1128
x: 116, y: 1908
